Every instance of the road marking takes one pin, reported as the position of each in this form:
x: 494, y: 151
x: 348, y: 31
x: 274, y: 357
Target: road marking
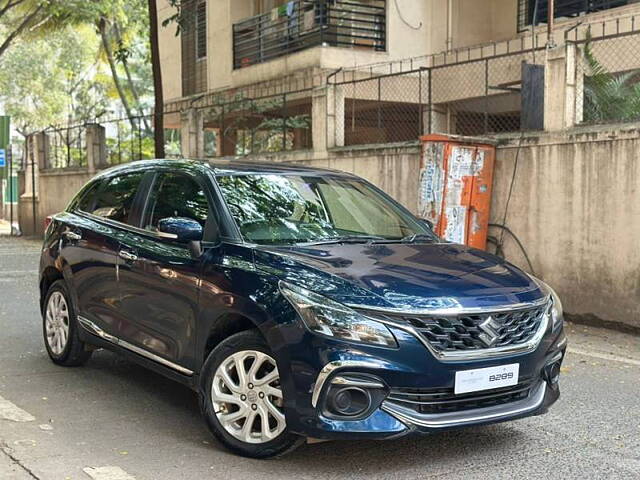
x: 604, y: 356
x: 107, y: 473
x: 9, y: 411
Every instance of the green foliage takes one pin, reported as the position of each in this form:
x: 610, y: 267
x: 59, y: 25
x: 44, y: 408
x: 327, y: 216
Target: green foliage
x: 57, y: 71
x: 609, y: 97
x: 46, y: 81
x: 130, y: 148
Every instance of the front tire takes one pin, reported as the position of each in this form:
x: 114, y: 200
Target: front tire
x: 243, y: 400
x: 60, y: 328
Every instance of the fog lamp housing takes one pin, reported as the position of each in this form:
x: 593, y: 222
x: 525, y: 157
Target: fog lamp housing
x: 353, y: 397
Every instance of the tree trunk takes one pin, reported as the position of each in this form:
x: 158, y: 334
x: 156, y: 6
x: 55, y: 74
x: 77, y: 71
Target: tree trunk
x: 158, y: 111
x: 132, y: 87
x: 102, y: 27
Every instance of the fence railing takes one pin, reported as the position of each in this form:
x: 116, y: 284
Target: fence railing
x: 470, y: 97
x: 305, y: 24
x: 608, y: 77
x: 532, y: 12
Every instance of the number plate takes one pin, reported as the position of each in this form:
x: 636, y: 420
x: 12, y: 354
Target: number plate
x: 486, y: 378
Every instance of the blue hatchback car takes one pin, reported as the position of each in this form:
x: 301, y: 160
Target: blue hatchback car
x: 299, y: 303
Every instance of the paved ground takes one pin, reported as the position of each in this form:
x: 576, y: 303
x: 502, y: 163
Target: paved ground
x: 115, y: 414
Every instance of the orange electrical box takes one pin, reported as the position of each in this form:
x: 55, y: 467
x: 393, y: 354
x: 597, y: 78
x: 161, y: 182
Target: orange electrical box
x: 456, y: 176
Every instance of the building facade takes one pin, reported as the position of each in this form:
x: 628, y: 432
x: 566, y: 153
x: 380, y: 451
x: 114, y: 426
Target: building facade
x: 258, y: 76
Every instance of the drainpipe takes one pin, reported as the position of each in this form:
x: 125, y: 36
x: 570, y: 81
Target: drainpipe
x: 550, y: 24
x: 449, y: 45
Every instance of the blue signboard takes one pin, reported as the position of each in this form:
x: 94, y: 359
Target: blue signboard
x: 3, y: 158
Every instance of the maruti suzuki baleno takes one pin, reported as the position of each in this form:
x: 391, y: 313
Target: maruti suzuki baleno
x: 299, y: 303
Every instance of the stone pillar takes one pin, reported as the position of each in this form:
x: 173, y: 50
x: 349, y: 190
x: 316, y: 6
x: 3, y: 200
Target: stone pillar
x: 28, y: 205
x: 41, y: 150
x: 561, y: 88
x: 439, y: 119
x: 192, y: 132
x: 335, y: 116
x: 31, y: 166
x: 96, y: 147
x: 319, y: 119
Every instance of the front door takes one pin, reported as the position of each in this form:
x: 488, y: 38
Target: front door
x: 159, y: 279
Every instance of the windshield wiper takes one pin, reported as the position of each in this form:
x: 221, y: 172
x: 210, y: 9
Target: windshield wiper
x: 354, y: 239
x: 418, y: 236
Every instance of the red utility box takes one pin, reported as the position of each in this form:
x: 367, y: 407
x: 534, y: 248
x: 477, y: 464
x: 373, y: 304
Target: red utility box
x: 456, y: 176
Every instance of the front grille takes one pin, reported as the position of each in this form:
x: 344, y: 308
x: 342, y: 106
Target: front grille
x: 434, y: 401
x: 476, y: 331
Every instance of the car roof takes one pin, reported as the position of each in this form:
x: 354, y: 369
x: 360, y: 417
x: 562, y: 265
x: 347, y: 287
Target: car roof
x: 225, y: 167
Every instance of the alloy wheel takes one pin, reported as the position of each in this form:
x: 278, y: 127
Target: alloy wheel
x: 247, y: 397
x: 57, y: 323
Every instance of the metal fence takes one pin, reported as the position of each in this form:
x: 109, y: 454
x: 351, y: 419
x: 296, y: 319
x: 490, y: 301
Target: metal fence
x: 247, y: 125
x: 126, y: 140
x: 608, y: 73
x: 67, y: 146
x: 464, y: 93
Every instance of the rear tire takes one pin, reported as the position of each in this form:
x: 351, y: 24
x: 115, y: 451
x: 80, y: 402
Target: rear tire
x: 241, y: 384
x: 60, y: 328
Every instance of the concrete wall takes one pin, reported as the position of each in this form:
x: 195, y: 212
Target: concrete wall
x: 56, y: 188
x: 576, y: 209
x: 170, y: 53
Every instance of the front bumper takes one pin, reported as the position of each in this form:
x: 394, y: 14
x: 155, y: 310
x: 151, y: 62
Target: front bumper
x: 314, y: 371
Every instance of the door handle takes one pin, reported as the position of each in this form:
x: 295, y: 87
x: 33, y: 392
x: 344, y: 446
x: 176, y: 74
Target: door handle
x: 131, y: 257
x: 69, y: 235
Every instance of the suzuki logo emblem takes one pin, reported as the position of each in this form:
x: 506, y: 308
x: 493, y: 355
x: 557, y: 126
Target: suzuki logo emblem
x: 490, y: 331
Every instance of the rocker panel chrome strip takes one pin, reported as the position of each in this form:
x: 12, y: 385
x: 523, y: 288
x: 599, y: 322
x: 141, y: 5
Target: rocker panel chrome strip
x: 95, y: 330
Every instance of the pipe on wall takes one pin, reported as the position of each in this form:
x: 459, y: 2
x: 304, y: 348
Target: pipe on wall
x: 449, y: 44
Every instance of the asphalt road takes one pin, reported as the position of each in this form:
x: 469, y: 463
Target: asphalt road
x: 114, y: 420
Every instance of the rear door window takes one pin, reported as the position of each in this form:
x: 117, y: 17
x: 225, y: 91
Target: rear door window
x: 87, y: 199
x: 116, y: 197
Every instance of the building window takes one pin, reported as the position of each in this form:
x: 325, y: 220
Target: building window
x: 537, y: 11
x: 201, y: 31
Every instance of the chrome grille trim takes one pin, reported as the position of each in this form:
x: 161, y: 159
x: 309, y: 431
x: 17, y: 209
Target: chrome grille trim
x: 474, y: 354
x: 466, y: 417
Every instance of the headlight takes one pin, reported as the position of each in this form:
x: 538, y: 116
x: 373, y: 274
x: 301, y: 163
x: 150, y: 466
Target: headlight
x: 332, y: 319
x: 557, y: 313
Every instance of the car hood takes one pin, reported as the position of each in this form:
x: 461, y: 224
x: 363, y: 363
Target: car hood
x: 403, y: 276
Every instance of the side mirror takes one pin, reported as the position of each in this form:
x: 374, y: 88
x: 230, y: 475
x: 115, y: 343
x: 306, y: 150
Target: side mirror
x: 183, y: 230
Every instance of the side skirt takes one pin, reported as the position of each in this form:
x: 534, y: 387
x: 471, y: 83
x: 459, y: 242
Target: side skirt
x: 98, y: 337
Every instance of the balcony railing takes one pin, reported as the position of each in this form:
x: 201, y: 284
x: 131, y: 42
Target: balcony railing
x: 537, y: 11
x: 303, y: 24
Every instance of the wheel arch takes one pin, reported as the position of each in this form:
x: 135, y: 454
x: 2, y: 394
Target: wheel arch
x: 60, y: 270
x: 49, y: 276
x: 225, y: 326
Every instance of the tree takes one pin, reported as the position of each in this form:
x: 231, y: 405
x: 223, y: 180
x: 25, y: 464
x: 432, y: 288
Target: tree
x: 609, y: 96
x: 54, y: 80
x: 121, y: 24
x: 158, y: 111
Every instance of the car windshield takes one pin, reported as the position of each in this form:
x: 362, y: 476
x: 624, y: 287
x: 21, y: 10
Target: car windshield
x: 277, y: 209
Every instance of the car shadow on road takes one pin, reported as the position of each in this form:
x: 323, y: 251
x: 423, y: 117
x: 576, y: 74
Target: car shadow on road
x: 164, y: 405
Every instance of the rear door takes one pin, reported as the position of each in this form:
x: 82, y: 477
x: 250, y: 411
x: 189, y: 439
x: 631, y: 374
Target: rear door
x: 159, y: 279
x: 90, y: 246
